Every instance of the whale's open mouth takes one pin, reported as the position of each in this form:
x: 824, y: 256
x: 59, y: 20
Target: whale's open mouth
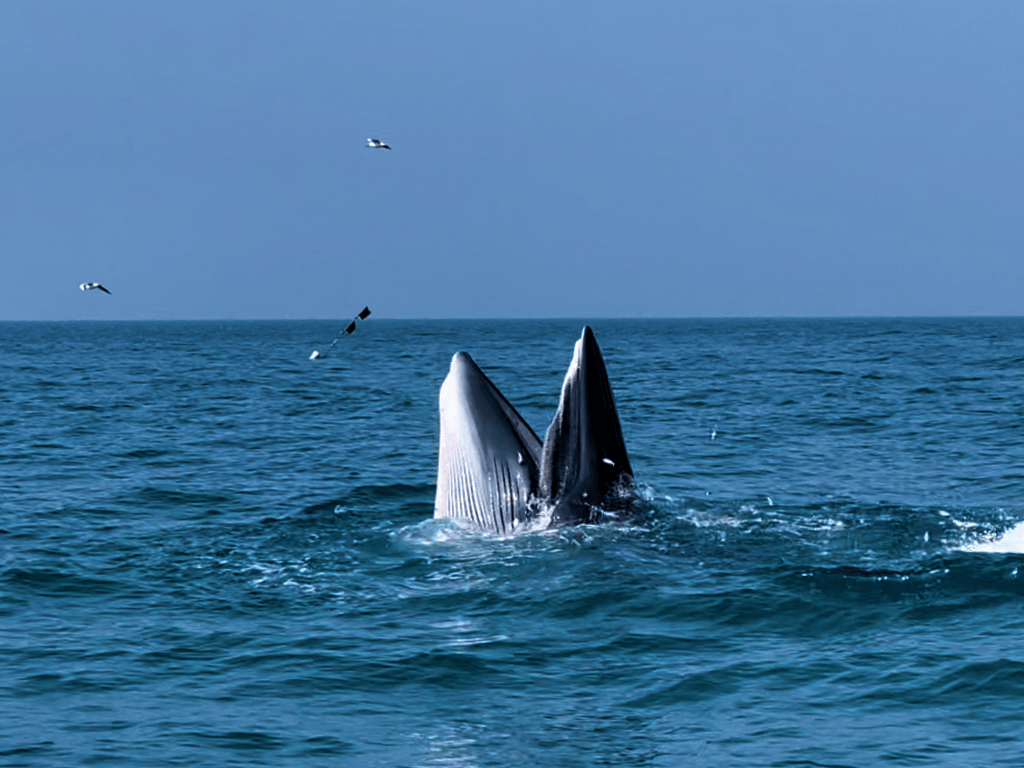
x: 493, y: 470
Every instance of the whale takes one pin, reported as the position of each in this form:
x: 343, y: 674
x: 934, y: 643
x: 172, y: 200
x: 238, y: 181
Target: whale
x: 488, y: 465
x: 494, y: 473
x: 584, y: 465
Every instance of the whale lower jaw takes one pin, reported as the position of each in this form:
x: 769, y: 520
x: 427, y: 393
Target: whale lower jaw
x: 488, y: 457
x: 494, y: 472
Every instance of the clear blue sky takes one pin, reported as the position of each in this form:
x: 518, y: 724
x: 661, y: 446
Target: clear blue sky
x: 206, y: 158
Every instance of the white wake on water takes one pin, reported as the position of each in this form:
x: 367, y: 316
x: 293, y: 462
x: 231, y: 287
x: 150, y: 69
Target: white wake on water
x: 1010, y: 541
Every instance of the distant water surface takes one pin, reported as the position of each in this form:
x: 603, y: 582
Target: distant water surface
x: 215, y: 551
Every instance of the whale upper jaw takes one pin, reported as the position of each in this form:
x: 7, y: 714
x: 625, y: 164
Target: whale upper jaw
x: 493, y: 470
x: 584, y: 465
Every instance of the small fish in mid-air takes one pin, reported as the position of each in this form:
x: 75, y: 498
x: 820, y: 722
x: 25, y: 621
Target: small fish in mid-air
x: 90, y: 286
x: 376, y: 144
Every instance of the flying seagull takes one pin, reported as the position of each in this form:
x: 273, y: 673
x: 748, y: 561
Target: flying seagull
x: 376, y: 144
x: 90, y: 286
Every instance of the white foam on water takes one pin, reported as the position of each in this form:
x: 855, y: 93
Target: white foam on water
x: 1011, y: 541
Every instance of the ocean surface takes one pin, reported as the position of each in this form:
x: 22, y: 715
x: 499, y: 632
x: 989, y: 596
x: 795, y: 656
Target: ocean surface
x: 215, y: 551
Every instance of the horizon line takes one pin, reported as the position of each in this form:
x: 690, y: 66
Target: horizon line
x: 378, y: 317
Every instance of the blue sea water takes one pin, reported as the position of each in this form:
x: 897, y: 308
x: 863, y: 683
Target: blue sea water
x: 215, y: 551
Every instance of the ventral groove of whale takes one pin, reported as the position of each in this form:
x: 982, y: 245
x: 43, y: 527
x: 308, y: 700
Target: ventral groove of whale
x: 495, y: 473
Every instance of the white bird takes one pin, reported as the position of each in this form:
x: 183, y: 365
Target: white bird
x: 90, y: 286
x: 376, y: 144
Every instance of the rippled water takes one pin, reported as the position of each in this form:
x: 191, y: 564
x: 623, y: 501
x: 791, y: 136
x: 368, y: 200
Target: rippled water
x: 214, y: 551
